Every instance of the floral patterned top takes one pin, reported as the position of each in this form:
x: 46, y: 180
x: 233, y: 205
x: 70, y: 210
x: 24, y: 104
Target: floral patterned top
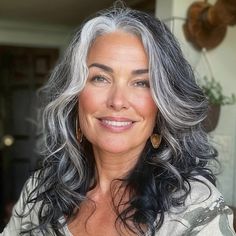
x: 202, y: 214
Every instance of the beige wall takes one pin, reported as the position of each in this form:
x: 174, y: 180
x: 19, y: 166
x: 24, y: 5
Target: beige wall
x: 223, y: 64
x: 31, y: 34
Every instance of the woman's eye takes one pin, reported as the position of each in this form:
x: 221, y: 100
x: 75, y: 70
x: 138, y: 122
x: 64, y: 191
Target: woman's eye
x: 142, y: 83
x: 99, y: 79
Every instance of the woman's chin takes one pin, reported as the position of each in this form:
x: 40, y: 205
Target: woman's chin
x: 119, y: 148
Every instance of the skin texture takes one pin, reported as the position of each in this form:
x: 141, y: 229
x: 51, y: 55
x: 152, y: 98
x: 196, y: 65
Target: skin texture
x: 117, y: 95
x: 117, y: 115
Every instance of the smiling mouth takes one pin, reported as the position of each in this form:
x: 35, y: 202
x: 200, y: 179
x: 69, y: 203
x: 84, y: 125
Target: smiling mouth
x: 116, y: 123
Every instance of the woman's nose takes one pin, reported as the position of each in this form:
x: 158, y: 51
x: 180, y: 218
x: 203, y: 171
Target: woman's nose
x: 118, y: 98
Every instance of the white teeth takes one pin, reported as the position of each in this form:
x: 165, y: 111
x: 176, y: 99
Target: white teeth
x: 116, y: 123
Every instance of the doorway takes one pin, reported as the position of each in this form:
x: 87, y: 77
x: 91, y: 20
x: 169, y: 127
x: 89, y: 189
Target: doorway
x: 22, y: 71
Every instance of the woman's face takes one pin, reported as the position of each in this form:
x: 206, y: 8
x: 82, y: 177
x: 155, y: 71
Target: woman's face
x: 116, y: 110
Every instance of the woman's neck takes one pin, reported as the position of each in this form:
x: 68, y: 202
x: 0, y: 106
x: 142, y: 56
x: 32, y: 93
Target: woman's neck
x: 110, y: 167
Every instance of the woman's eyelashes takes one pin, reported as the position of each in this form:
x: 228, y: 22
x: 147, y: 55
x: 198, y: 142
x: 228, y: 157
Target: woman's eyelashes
x: 99, y: 79
x: 102, y: 80
x: 142, y: 83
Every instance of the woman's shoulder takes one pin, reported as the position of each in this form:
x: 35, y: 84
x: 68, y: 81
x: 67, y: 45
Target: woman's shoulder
x: 203, y: 192
x: 25, y: 213
x: 204, y: 212
x: 32, y: 182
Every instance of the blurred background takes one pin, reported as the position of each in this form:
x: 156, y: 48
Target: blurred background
x: 33, y: 35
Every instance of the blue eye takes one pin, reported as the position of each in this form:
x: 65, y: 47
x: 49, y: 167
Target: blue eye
x: 142, y: 83
x: 99, y: 79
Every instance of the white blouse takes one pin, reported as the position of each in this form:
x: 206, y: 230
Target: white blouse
x: 202, y: 214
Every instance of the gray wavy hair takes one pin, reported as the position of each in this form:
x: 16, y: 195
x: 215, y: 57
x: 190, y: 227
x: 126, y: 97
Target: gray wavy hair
x: 181, y: 103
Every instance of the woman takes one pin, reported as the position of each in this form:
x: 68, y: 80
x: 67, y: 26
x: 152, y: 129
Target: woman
x: 124, y: 150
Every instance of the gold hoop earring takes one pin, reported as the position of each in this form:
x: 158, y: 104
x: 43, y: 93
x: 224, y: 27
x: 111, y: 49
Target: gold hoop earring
x: 156, y: 140
x: 79, y: 134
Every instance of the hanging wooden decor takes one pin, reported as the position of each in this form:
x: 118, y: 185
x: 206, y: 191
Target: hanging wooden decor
x: 206, y: 24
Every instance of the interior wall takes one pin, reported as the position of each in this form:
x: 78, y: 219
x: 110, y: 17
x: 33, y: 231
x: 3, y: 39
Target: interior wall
x: 32, y: 34
x: 222, y: 64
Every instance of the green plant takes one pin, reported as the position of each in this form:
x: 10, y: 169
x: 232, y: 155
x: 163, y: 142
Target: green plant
x: 214, y: 92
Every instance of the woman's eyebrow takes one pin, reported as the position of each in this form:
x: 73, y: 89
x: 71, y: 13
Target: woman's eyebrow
x: 140, y: 71
x: 101, y: 66
x: 110, y: 70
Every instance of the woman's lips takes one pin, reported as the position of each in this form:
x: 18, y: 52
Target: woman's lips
x: 116, y: 124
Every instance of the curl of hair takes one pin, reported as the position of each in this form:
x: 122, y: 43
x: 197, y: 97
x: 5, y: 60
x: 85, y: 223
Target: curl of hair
x: 68, y: 167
